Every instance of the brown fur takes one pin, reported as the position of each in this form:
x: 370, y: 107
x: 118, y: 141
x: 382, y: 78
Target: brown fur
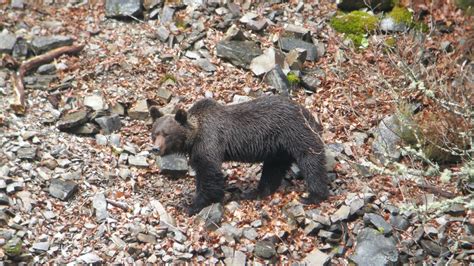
x: 272, y: 129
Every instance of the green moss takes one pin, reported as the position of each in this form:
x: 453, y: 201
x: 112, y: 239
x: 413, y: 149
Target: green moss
x: 401, y: 15
x: 465, y: 4
x: 390, y: 42
x: 166, y: 77
x: 293, y: 79
x: 409, y: 130
x: 420, y: 26
x: 181, y: 24
x: 13, y: 247
x: 356, y: 22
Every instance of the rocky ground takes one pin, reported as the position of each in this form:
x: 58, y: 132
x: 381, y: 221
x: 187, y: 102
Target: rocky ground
x: 77, y: 180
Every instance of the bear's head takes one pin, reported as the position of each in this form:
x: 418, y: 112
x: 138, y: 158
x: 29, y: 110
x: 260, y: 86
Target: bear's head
x: 169, y: 132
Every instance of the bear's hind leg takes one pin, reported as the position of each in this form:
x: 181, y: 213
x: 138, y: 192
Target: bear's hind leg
x: 313, y: 169
x: 273, y: 172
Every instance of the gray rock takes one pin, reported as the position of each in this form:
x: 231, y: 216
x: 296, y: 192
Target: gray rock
x: 256, y: 223
x: 115, y: 140
x: 15, y: 186
x: 324, y: 220
x: 446, y: 46
x: 211, y: 216
x: 237, y: 259
x: 295, y: 58
x: 41, y: 246
x: 165, y: 217
x: 109, y: 124
x: 18, y: 4
x: 265, y: 249
x: 311, y: 80
x: 230, y: 232
x: 341, y: 214
x: 43, y: 44
x: 27, y: 153
x: 95, y: 101
x: 4, y: 199
x: 90, y: 258
x: 205, y: 65
x: 118, y: 108
x: 373, y: 248
x: 146, y: 238
x: 123, y: 8
x: 164, y: 93
x: 379, y: 222
x: 46, y: 69
x: 250, y: 233
x: 100, y: 205
x: 163, y: 33
x: 257, y: 25
x: 312, y: 228
x: 278, y: 80
x: 174, y: 165
x: 387, y: 139
x: 240, y: 99
x: 7, y: 42
x: 388, y: 24
x: 167, y: 14
x: 239, y: 53
x: 297, y: 32
x: 434, y: 249
x: 138, y: 160
x: 295, y: 211
x: 101, y: 140
x: 61, y: 189
x: 267, y: 61
x: 139, y: 111
x: 234, y: 34
x: 399, y: 222
x: 72, y: 119
x: 317, y: 258
x: 288, y: 44
x: 356, y: 205
x: 124, y: 173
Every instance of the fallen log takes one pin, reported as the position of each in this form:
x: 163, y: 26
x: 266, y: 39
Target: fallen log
x: 18, y: 105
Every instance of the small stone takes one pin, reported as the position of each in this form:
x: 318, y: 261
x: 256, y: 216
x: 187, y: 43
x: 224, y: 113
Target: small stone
x: 72, y: 119
x: 238, y: 258
x: 379, y: 222
x: 288, y: 44
x: 163, y: 33
x: 146, y: 238
x: 90, y: 258
x: 13, y: 247
x: 124, y: 173
x: 41, y: 246
x: 297, y: 32
x: 257, y: 25
x: 456, y: 210
x: 46, y: 69
x: 265, y: 249
x: 205, y: 64
x: 430, y: 231
x: 399, y: 222
x: 166, y: 14
x: 164, y: 94
x: 101, y: 140
x: 100, y: 205
x: 267, y: 61
x: 173, y: 165
x: 109, y: 124
x: 446, y: 46
x: 27, y: 153
x: 278, y: 80
x: 139, y: 111
x: 317, y: 258
x: 115, y: 140
x: 239, y: 53
x: 86, y: 129
x: 389, y: 24
x: 234, y: 34
x: 61, y: 189
x: 256, y: 223
x: 95, y: 101
x: 41, y: 44
x: 138, y: 160
x: 211, y: 216
x: 356, y: 205
x: 250, y: 233
x: 230, y: 231
x: 295, y: 211
x: 7, y: 42
x: 295, y: 58
x: 4, y: 199
x: 341, y: 214
x: 118, y: 108
x: 312, y: 228
x: 123, y: 8
x: 433, y: 248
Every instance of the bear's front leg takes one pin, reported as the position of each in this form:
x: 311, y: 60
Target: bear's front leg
x: 209, y: 183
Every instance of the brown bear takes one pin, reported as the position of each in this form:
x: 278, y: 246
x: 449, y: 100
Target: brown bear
x: 270, y: 129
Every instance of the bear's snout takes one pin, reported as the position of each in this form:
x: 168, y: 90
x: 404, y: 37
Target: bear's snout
x: 158, y: 144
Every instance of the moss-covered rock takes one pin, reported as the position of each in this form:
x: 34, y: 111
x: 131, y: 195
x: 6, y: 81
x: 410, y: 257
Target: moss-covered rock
x: 356, y: 22
x: 355, y: 25
x: 401, y: 15
x: 13, y: 247
x: 293, y: 79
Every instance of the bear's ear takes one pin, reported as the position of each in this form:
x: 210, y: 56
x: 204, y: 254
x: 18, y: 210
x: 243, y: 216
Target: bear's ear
x: 181, y: 116
x: 155, y: 112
